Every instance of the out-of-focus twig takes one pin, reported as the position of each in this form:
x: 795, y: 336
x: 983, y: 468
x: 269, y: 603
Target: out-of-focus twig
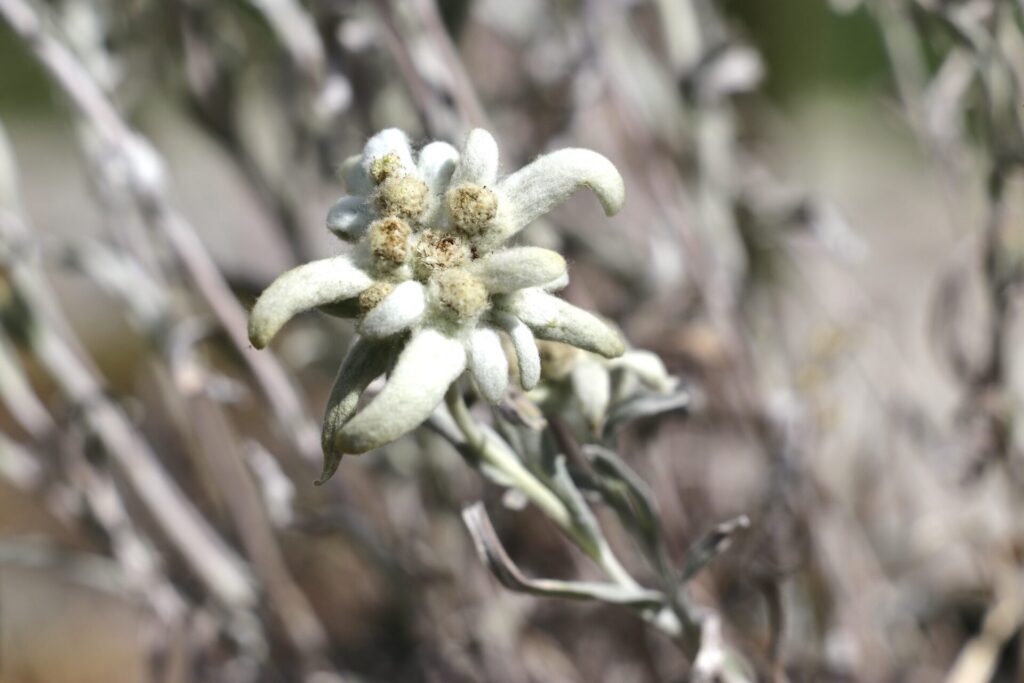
x: 143, y: 179
x: 463, y: 92
x: 220, y: 446
x: 209, y: 556
x: 979, y: 658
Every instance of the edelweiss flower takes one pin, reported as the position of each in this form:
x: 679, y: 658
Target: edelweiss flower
x: 432, y: 285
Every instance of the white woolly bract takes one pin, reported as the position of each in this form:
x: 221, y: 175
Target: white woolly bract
x: 398, y: 311
x: 365, y: 362
x: 349, y: 217
x: 512, y: 269
x: 560, y: 282
x: 527, y: 356
x: 549, y: 180
x: 487, y: 363
x: 592, y: 386
x: 300, y: 289
x: 648, y: 367
x: 354, y: 177
x: 426, y: 367
x: 479, y: 163
x: 436, y: 163
x: 556, y: 320
x: 388, y: 141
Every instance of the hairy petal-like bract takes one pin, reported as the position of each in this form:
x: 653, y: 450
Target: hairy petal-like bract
x: 560, y: 282
x: 517, y: 268
x: 592, y: 386
x: 549, y: 180
x: 479, y: 163
x: 300, y: 289
x: 527, y: 356
x: 487, y: 363
x: 556, y: 320
x: 365, y: 362
x: 354, y: 177
x: 399, y: 310
x: 349, y: 217
x: 426, y: 367
x: 390, y: 141
x: 436, y: 164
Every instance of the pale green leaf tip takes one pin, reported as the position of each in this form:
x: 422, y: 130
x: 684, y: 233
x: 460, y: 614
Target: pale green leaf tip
x: 259, y: 336
x: 331, y: 463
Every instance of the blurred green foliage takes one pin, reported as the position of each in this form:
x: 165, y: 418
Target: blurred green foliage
x: 808, y: 46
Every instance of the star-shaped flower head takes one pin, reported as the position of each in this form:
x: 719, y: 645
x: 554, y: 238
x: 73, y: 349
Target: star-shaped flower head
x: 431, y: 283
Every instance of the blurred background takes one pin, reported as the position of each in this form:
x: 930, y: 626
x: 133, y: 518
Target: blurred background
x: 822, y: 238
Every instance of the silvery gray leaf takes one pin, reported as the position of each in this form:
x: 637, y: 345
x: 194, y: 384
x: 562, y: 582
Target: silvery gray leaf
x: 645, y: 405
x: 493, y: 555
x: 627, y: 494
x: 582, y: 516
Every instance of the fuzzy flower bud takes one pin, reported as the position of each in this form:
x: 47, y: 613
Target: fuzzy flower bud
x: 373, y: 295
x: 405, y: 197
x: 472, y: 208
x: 387, y: 166
x: 389, y: 239
x: 460, y: 292
x: 437, y: 251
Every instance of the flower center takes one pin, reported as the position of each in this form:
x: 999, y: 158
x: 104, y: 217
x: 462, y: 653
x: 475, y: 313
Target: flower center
x: 472, y: 208
x: 385, y: 167
x: 438, y: 251
x: 389, y: 239
x: 373, y: 295
x: 460, y: 293
x: 402, y: 196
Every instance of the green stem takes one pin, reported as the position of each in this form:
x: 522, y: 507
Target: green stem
x: 534, y: 489
x: 524, y: 480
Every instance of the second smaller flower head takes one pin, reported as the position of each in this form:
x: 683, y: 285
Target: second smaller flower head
x: 431, y: 284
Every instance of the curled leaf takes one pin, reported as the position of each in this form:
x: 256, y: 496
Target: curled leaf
x: 549, y: 180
